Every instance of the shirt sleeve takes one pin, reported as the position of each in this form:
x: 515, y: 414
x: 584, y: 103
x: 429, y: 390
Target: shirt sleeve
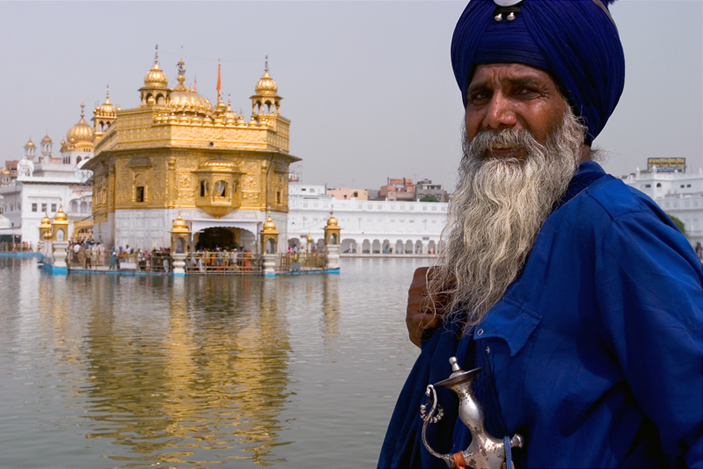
x: 650, y: 294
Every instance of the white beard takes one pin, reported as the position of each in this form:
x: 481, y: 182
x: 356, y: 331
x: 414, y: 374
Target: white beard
x: 496, y: 213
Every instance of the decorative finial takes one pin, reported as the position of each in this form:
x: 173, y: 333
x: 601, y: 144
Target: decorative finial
x: 156, y: 55
x: 181, y: 70
x: 82, y: 109
x: 266, y: 64
x: 107, y: 95
x: 229, y: 100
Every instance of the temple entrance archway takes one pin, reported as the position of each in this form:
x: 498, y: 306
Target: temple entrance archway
x: 224, y: 237
x: 211, y: 238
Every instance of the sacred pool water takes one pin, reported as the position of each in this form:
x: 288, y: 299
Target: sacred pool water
x: 102, y: 371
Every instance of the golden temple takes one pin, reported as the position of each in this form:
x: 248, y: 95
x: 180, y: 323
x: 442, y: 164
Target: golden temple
x: 176, y: 153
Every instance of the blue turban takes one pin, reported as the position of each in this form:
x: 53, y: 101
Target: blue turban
x: 575, y: 41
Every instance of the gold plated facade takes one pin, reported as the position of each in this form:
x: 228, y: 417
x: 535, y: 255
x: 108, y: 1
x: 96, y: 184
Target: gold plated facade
x: 176, y: 151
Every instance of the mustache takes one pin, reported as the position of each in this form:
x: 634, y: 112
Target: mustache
x: 485, y: 140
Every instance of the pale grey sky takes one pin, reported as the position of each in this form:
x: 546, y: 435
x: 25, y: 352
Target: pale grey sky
x: 367, y: 85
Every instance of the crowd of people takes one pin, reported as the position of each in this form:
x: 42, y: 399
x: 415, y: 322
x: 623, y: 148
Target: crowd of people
x: 91, y: 255
x: 220, y: 259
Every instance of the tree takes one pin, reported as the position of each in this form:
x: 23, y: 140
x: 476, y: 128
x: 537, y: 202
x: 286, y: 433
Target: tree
x: 428, y: 198
x: 679, y: 224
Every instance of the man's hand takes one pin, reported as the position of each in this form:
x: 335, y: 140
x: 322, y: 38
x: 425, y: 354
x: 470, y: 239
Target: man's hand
x: 422, y: 313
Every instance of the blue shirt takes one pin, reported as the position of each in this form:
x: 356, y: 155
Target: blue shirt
x: 594, y: 353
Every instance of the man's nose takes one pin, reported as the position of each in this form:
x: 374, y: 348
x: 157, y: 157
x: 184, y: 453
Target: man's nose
x: 499, y: 113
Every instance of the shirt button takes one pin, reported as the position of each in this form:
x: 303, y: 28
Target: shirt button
x: 479, y: 332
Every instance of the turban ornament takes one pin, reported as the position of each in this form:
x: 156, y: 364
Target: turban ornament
x: 575, y: 41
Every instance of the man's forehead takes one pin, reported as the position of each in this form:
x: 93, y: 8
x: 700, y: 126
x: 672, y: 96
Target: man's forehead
x: 510, y: 72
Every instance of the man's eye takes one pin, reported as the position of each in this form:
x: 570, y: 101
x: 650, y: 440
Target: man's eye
x: 478, y: 96
x: 525, y: 91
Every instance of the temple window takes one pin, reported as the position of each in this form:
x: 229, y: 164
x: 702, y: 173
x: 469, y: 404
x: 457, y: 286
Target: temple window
x: 140, y: 194
x: 43, y: 208
x: 53, y: 208
x: 278, y: 197
x: 221, y: 188
x: 34, y: 207
x: 204, y: 190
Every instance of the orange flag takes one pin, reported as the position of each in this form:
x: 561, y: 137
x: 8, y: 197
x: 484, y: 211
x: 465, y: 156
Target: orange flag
x: 219, y: 84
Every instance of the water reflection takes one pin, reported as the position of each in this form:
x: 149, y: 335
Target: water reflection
x: 330, y: 307
x: 202, y: 367
x: 106, y: 371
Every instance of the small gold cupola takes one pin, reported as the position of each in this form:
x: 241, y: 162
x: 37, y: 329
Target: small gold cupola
x: 155, y: 91
x: 269, y: 237
x: 180, y: 235
x: 60, y: 226
x: 46, y: 145
x: 266, y: 101
x: 45, y: 228
x: 103, y: 116
x: 30, y: 150
x: 332, y: 230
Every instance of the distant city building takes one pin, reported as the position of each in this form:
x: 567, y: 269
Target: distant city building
x: 398, y: 189
x: 45, y: 183
x: 678, y: 193
x: 374, y: 194
x: 425, y: 189
x: 368, y: 226
x: 347, y: 193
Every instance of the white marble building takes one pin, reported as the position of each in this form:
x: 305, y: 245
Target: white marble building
x: 46, y: 184
x: 368, y: 226
x: 679, y: 194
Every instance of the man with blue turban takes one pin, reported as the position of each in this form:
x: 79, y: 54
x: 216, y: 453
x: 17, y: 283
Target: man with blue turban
x: 578, y: 298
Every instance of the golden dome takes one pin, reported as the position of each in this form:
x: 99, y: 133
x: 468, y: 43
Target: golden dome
x: 46, y: 139
x: 81, y: 132
x: 30, y: 144
x: 230, y: 116
x: 156, y: 78
x: 184, y: 99
x: 45, y: 223
x: 221, y: 107
x: 309, y: 239
x: 266, y: 86
x: 180, y: 226
x: 269, y: 225
x: 107, y: 109
x: 5, y: 171
x: 61, y: 217
x: 332, y: 221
